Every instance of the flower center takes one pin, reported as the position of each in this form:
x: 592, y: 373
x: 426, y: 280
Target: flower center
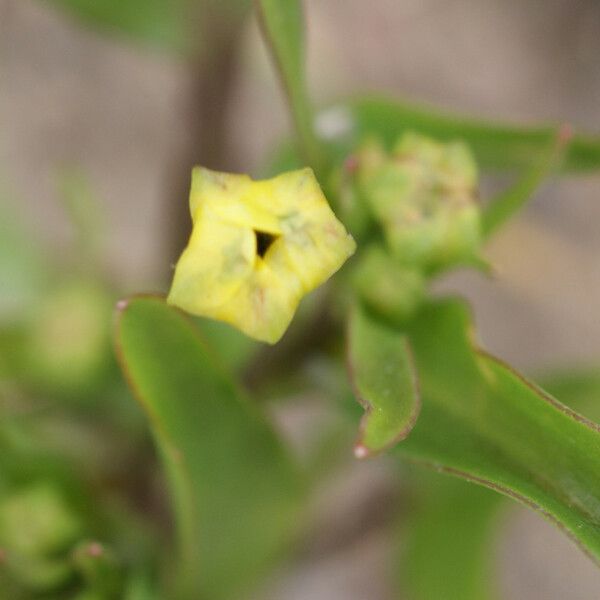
x: 263, y: 242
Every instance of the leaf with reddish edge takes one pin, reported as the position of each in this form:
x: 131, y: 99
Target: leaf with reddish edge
x: 512, y: 200
x: 448, y: 546
x: 577, y: 388
x: 282, y: 25
x: 482, y: 421
x: 235, y: 490
x: 497, y: 146
x: 384, y: 379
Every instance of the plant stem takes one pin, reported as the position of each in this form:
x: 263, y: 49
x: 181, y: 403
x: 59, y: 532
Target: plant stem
x: 282, y: 27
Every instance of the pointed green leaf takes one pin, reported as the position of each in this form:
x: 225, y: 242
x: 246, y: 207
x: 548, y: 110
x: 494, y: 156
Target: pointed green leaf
x: 282, y: 25
x: 235, y: 490
x: 385, y: 383
x: 483, y: 421
x: 496, y: 145
x: 449, y: 543
x: 160, y: 23
x: 508, y: 203
x: 180, y: 27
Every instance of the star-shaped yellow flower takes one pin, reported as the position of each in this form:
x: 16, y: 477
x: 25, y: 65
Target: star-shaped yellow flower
x: 256, y: 248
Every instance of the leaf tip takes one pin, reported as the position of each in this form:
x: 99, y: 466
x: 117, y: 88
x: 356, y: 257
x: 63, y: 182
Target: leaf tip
x: 565, y: 134
x: 361, y: 451
x: 122, y: 304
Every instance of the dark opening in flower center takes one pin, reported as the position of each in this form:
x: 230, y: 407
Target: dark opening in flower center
x: 263, y: 242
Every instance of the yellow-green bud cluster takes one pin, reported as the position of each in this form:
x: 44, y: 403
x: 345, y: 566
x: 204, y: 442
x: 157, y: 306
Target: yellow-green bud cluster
x: 37, y: 532
x: 422, y: 197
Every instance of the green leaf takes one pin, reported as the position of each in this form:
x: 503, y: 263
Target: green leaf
x: 481, y: 420
x: 496, y: 146
x: 233, y: 348
x: 448, y: 544
x: 508, y: 203
x: 579, y: 389
x: 235, y: 490
x: 140, y: 587
x: 160, y: 23
x: 283, y: 29
x: 385, y: 382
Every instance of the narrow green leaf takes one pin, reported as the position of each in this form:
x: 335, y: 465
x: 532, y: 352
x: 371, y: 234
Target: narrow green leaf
x: 508, y: 203
x: 448, y: 551
x: 235, y: 490
x: 283, y: 29
x: 160, y: 23
x: 482, y: 421
x: 385, y: 383
x: 496, y: 146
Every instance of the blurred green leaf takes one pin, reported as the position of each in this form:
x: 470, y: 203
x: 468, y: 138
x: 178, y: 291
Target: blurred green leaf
x: 512, y: 200
x: 67, y: 349
x: 448, y: 551
x: 23, y: 270
x: 183, y: 27
x: 37, y: 529
x: 482, y: 421
x: 385, y: 382
x: 283, y: 29
x: 83, y: 210
x: 235, y: 490
x: 496, y: 146
x: 141, y: 587
x: 160, y: 23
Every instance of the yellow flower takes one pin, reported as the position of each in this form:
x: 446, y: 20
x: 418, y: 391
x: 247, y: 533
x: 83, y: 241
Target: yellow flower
x: 256, y: 248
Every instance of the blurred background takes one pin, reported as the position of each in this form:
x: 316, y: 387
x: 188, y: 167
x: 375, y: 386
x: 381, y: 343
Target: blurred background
x: 87, y: 109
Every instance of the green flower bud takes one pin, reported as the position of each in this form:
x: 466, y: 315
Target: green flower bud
x: 36, y: 528
x: 424, y: 196
x: 37, y: 521
x: 387, y: 286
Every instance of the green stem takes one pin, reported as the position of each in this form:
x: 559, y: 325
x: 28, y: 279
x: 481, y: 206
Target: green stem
x: 282, y: 27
